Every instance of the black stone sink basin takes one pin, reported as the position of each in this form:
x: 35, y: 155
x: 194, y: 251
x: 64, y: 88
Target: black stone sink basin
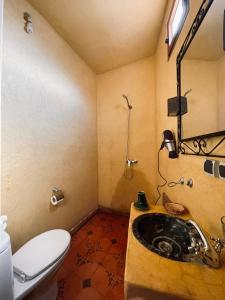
x: 163, y: 234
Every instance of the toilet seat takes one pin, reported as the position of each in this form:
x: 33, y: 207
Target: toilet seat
x: 21, y: 289
x: 40, y: 253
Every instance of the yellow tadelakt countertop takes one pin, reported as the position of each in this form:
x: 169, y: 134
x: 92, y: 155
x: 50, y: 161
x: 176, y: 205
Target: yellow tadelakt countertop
x: 149, y: 276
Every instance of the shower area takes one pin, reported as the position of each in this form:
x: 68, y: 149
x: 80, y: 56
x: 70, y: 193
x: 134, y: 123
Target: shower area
x: 126, y: 134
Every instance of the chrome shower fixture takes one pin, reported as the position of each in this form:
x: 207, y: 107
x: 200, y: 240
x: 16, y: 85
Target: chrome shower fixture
x: 128, y: 103
x: 131, y: 162
x: 128, y: 172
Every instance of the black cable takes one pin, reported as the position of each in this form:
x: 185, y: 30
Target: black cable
x: 169, y: 184
x: 160, y: 185
x: 173, y: 184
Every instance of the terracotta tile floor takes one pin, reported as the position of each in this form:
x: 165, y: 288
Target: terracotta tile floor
x: 94, y: 267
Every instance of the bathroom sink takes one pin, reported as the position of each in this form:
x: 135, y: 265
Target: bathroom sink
x: 165, y: 235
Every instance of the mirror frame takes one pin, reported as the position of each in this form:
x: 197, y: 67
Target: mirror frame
x: 199, y: 143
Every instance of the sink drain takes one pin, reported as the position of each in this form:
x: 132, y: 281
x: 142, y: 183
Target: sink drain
x: 167, y: 246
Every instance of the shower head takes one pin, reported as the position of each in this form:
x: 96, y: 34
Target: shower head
x: 128, y: 104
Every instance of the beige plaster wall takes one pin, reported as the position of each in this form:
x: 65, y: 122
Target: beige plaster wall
x: 206, y: 199
x: 48, y: 126
x: 137, y: 81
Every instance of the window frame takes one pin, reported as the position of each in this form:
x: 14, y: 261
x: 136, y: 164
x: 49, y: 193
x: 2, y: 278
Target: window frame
x: 172, y: 14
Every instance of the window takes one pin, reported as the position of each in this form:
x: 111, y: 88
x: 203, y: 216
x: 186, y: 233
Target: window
x: 176, y: 21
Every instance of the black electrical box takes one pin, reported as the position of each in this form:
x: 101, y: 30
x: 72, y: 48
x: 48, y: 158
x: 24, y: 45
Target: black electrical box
x: 173, y: 106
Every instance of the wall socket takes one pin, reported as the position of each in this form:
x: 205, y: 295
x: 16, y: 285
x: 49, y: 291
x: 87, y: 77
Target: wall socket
x: 215, y: 168
x: 221, y: 170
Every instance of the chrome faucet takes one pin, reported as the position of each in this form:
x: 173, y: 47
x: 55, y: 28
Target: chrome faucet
x: 131, y: 162
x: 205, y: 248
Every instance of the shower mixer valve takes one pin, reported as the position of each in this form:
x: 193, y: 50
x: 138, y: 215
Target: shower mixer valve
x: 131, y: 162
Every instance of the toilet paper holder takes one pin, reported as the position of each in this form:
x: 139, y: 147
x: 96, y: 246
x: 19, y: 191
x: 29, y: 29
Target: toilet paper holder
x: 57, y: 196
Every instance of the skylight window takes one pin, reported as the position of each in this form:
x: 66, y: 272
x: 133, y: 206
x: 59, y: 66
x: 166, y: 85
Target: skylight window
x: 176, y: 21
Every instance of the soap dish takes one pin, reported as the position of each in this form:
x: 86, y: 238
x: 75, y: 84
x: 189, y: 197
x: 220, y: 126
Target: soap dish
x: 175, y: 208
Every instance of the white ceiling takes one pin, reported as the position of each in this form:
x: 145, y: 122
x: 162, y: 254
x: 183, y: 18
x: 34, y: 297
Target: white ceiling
x: 106, y: 33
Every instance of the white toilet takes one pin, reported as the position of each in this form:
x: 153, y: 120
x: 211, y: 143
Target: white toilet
x: 32, y: 263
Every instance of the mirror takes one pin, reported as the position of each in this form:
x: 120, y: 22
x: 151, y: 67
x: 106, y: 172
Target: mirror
x: 202, y: 72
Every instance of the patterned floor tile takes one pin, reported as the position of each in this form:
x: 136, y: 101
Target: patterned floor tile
x: 89, y: 294
x: 100, y: 280
x: 69, y: 287
x: 94, y: 267
x: 115, y: 294
x: 115, y: 263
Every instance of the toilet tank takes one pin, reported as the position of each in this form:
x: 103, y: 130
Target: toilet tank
x: 6, y: 269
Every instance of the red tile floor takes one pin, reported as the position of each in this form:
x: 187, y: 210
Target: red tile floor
x: 94, y: 267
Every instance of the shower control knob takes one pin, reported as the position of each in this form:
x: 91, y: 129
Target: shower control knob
x: 131, y: 162
x: 134, y: 161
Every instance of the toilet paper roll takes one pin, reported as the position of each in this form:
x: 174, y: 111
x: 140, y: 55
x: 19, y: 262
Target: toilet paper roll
x: 55, y: 201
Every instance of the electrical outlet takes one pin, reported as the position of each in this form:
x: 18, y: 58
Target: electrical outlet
x: 221, y: 170
x: 209, y: 167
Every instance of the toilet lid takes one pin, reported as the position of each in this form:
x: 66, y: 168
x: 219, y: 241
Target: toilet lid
x: 40, y: 253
